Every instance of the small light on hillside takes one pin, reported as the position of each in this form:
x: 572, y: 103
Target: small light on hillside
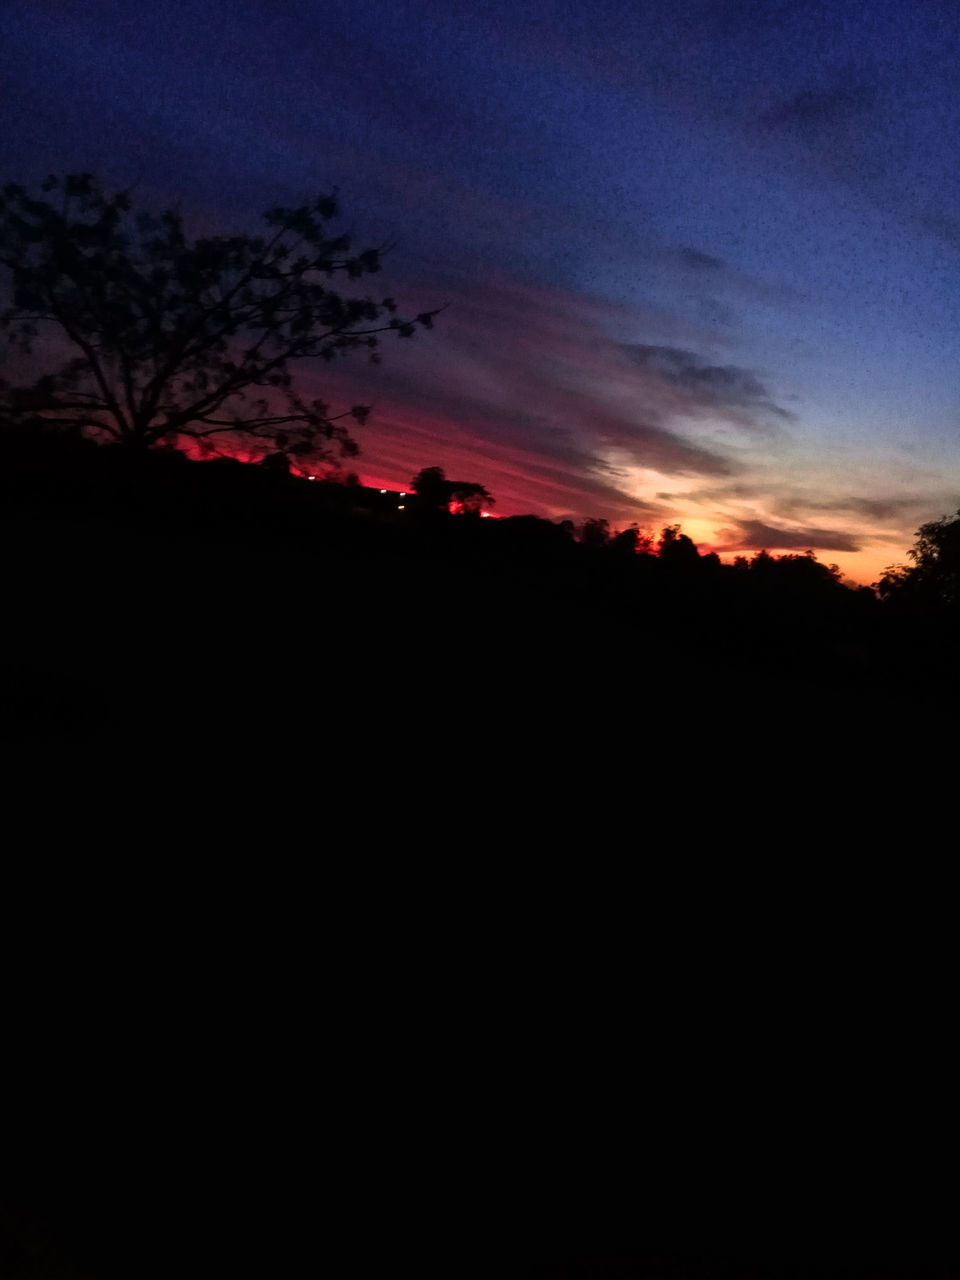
x: 383, y: 491
x: 401, y: 507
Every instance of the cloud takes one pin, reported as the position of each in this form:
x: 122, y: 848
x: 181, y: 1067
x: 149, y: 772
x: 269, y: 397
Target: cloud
x: 876, y: 508
x: 812, y: 112
x: 699, y: 261
x: 755, y: 535
x: 718, y: 386
x: 401, y: 438
x: 882, y: 509
x: 537, y: 392
x: 533, y: 370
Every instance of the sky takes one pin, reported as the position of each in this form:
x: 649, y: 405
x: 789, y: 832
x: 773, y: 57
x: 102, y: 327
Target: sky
x: 699, y: 260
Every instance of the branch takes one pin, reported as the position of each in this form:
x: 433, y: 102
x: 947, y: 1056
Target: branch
x: 245, y: 423
x: 176, y: 358
x: 81, y: 423
x: 246, y: 316
x: 251, y: 427
x: 127, y: 383
x: 94, y: 363
x: 88, y: 395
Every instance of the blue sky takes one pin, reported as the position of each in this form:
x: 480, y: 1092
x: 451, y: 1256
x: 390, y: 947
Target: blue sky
x: 701, y: 260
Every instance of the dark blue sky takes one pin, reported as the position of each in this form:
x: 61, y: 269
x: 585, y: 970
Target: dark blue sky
x: 702, y: 260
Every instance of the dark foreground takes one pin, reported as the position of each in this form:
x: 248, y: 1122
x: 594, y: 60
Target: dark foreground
x: 185, y: 605
x: 442, y: 899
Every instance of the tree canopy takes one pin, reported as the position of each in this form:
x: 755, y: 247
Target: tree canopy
x: 460, y: 497
x: 934, y: 577
x: 171, y: 338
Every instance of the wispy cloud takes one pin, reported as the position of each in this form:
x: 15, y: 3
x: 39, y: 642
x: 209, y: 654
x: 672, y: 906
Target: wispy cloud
x: 757, y: 535
x: 717, y: 386
x: 527, y: 389
x: 814, y: 112
x: 696, y: 260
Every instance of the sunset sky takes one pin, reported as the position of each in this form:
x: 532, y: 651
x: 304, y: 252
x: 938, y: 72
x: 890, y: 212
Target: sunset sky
x: 700, y: 260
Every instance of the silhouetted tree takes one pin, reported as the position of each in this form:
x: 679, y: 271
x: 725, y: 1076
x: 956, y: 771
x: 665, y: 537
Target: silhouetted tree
x: 806, y: 571
x: 170, y: 336
x: 438, y: 494
x: 467, y: 498
x: 896, y: 582
x: 934, y: 577
x: 595, y: 533
x: 675, y: 547
x: 430, y: 486
x: 278, y: 461
x: 632, y: 540
x: 626, y: 540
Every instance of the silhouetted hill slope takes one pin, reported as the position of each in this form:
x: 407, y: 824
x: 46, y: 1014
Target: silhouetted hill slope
x: 154, y: 597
